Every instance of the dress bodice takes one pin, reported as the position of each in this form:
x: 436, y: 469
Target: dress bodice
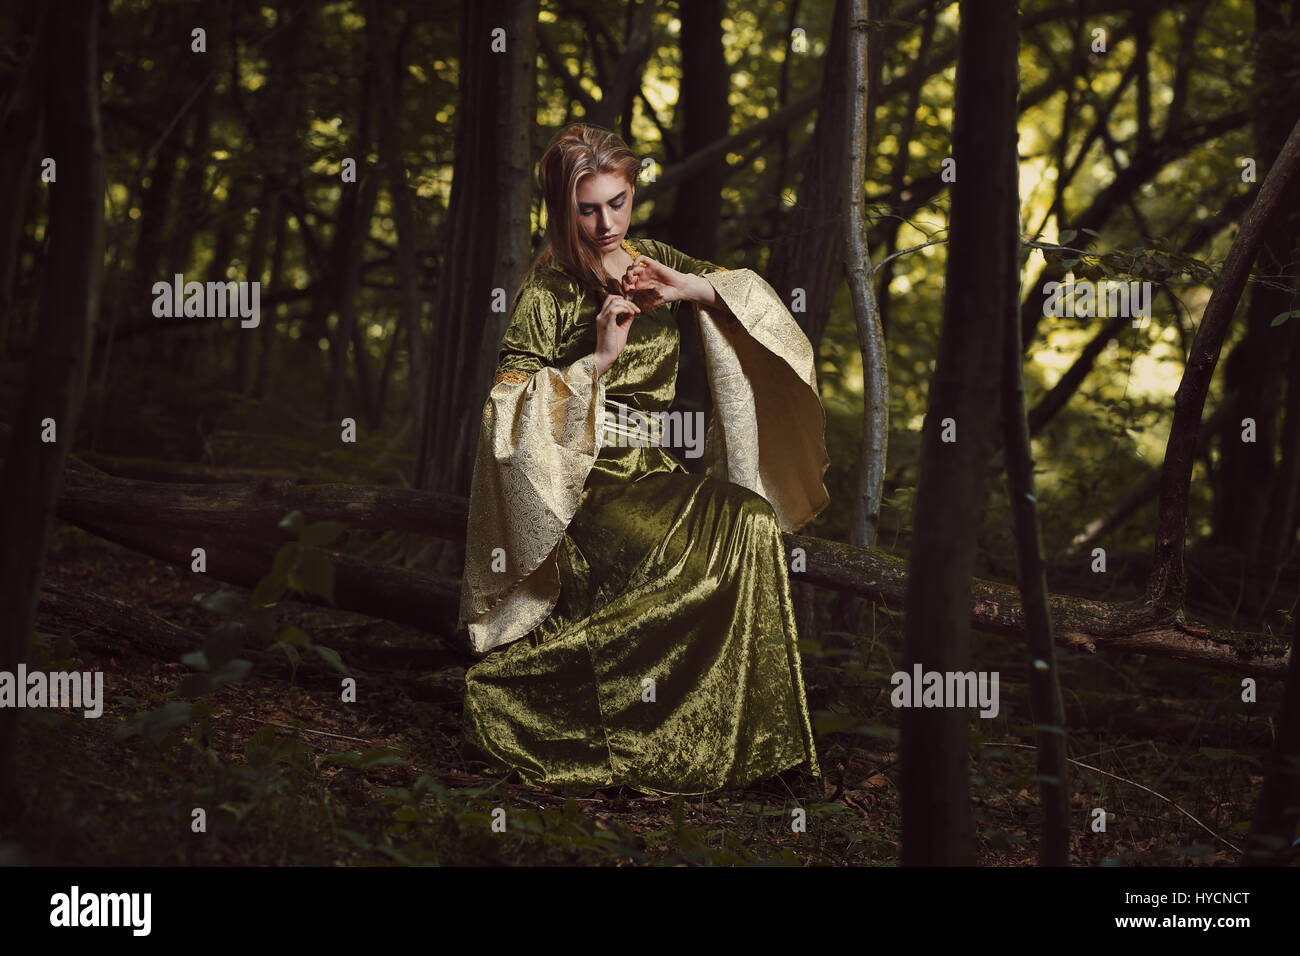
x: 644, y: 377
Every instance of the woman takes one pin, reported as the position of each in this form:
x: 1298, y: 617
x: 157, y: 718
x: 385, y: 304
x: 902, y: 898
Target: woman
x: 637, y: 619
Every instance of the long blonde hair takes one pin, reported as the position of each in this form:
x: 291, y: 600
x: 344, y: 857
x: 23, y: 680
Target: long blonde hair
x: 577, y: 151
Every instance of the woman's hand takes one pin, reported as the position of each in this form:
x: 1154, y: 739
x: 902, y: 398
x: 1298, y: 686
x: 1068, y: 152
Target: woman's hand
x: 652, y: 283
x: 612, y: 325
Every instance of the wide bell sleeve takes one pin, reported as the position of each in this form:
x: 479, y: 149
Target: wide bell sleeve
x: 539, y: 437
x: 767, y: 431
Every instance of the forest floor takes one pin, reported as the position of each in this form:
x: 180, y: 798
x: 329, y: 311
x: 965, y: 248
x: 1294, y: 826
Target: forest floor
x: 284, y: 772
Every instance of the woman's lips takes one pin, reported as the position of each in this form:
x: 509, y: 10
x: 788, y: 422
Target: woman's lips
x: 608, y: 239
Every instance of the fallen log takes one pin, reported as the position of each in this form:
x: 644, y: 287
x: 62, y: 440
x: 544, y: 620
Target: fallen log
x: 95, y: 501
x: 152, y: 469
x: 395, y: 594
x: 1080, y: 623
x: 77, y: 611
x: 256, y: 508
x: 105, y: 623
x: 1141, y: 716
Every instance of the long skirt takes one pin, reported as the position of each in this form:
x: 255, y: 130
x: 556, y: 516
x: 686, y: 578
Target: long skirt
x: 670, y: 663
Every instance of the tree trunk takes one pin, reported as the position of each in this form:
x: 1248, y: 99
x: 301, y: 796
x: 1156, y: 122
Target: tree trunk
x: 19, y: 131
x: 902, y: 160
x: 474, y: 264
x: 1046, y: 711
x: 517, y: 111
x: 1272, y: 837
x: 283, y: 99
x: 865, y: 515
x: 807, y: 250
x: 706, y: 81
x: 1253, y: 371
x: 387, y: 68
x: 347, y: 247
x: 697, y: 206
x: 191, y: 198
x: 950, y: 498
x: 56, y: 372
x: 1168, y: 581
x: 871, y: 337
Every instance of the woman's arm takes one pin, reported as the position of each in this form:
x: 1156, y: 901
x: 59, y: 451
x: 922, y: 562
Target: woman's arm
x: 538, y: 439
x: 701, y: 291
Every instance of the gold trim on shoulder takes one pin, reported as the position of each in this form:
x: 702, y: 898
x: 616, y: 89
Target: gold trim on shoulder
x: 513, y: 376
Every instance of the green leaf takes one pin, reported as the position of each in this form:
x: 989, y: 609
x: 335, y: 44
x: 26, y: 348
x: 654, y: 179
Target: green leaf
x: 293, y: 521
x: 314, y: 575
x: 262, y: 622
x: 196, y: 659
x: 289, y: 750
x: 157, y: 724
x: 286, y: 559
x: 272, y: 587
x: 264, y: 739
x: 230, y: 672
x: 1068, y: 236
x: 1283, y: 316
x: 1092, y: 232
x: 826, y: 723
x: 295, y: 636
x: 269, y: 590
x: 225, y: 603
x: 290, y: 652
x: 223, y: 642
x: 331, y: 657
x: 321, y: 533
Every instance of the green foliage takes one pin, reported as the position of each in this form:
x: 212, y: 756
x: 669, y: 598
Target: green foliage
x: 270, y: 764
x: 1151, y: 263
x: 300, y: 565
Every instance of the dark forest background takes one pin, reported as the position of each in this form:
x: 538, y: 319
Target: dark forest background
x: 230, y: 522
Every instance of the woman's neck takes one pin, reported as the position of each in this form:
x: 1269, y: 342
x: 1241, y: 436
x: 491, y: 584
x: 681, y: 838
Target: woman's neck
x: 616, y: 262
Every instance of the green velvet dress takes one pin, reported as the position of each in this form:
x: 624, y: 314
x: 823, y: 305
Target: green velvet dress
x: 669, y: 663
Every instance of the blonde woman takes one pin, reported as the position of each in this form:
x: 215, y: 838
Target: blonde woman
x: 636, y: 619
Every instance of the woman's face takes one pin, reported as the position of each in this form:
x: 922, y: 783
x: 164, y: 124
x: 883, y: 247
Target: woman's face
x: 604, y: 209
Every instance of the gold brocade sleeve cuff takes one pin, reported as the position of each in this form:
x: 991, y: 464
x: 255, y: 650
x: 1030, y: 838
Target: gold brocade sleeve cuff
x: 539, y: 437
x: 768, y: 429
x: 512, y: 376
